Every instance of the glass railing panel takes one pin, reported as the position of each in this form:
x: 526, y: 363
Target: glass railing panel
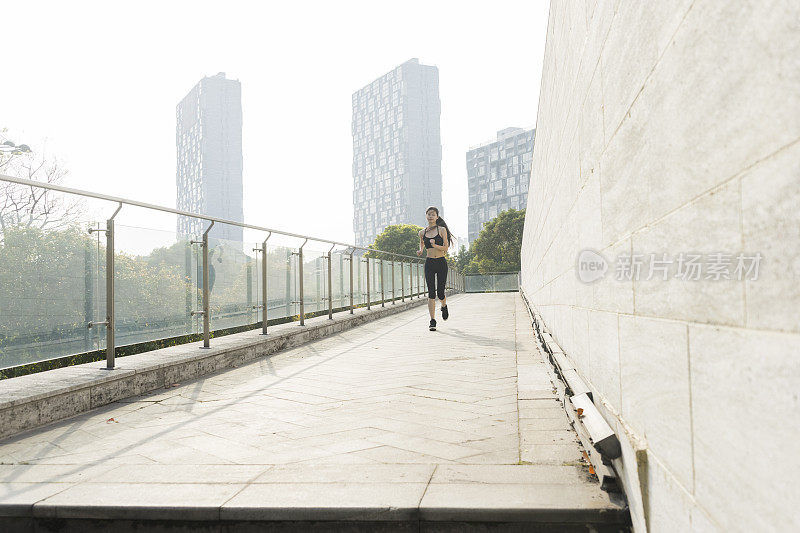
x: 394, y: 283
x: 281, y: 285
x: 506, y: 282
x: 387, y: 280
x: 314, y: 280
x: 386, y: 285
x: 340, y: 279
x: 414, y: 280
x: 360, y: 292
x: 375, y: 280
x: 232, y: 282
x: 499, y: 282
x: 406, y: 270
x: 420, y: 278
x: 158, y: 284
x: 52, y: 284
x: 478, y: 283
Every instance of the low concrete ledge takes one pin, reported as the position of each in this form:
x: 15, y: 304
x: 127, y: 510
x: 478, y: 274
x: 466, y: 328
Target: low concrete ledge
x: 30, y: 401
x: 309, y: 497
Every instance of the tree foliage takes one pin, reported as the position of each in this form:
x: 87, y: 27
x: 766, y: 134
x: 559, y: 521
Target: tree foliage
x: 397, y: 238
x: 461, y: 260
x: 52, y: 283
x: 498, y: 246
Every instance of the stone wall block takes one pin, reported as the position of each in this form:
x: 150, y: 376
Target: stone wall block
x: 744, y: 402
x: 704, y: 227
x: 771, y: 222
x: 654, y: 364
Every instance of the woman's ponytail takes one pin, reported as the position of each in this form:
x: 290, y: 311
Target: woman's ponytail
x: 440, y: 222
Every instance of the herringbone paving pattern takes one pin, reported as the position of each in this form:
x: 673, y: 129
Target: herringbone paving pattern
x: 385, y: 409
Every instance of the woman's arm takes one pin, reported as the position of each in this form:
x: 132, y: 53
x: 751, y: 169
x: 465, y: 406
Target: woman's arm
x: 421, y: 244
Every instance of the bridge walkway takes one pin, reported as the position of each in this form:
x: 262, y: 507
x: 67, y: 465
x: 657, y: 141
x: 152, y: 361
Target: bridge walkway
x: 387, y: 426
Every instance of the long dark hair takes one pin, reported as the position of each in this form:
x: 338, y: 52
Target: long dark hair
x: 440, y: 222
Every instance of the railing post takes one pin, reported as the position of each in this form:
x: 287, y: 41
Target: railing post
x: 367, y: 259
x: 205, y: 312
x: 330, y: 285
x: 317, y: 275
x: 414, y: 278
x: 392, y: 281
x: 110, y: 339
x: 341, y: 278
x: 383, y: 292
x: 249, y: 275
x: 88, y: 295
x: 402, y: 283
x: 411, y: 267
x: 206, y: 292
x: 111, y: 345
x: 300, y: 269
x: 264, y: 284
x: 109, y: 322
x: 419, y: 286
x: 411, y: 280
x: 351, y: 281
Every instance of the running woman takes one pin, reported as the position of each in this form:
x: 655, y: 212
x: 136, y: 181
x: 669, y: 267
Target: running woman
x: 433, y: 238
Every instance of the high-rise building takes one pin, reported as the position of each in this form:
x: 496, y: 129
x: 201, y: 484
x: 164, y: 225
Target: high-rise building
x: 397, y: 151
x: 209, y: 141
x: 498, y: 174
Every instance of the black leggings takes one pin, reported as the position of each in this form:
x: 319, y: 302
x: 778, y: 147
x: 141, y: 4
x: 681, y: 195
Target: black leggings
x: 436, y: 276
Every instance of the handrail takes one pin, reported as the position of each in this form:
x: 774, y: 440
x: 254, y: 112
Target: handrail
x: 98, y: 196
x: 349, y: 249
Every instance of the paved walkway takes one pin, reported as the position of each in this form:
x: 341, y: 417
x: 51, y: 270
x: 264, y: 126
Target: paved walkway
x: 387, y: 421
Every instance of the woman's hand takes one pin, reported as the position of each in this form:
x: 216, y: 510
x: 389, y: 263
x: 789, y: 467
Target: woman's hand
x: 419, y: 252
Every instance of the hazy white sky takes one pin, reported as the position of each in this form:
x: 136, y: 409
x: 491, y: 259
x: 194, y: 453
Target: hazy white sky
x: 100, y: 81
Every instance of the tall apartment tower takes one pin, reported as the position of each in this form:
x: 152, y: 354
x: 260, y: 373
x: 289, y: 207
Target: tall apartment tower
x: 209, y: 141
x: 397, y: 150
x: 498, y: 174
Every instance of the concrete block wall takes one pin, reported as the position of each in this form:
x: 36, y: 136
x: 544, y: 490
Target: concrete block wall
x: 674, y: 127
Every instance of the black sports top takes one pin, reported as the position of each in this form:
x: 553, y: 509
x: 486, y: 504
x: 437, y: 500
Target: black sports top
x: 438, y: 239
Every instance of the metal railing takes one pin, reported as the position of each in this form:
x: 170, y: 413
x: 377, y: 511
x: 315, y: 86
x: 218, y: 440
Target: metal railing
x: 410, y: 264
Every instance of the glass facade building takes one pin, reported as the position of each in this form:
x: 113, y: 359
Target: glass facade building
x: 498, y: 174
x: 209, y: 145
x: 397, y: 151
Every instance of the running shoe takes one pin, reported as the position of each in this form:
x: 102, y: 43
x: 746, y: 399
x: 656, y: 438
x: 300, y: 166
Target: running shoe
x: 445, y: 313
x: 432, y: 327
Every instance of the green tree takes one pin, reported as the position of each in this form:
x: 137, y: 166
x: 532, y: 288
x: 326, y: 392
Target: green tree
x: 397, y: 238
x: 462, y: 259
x: 497, y: 248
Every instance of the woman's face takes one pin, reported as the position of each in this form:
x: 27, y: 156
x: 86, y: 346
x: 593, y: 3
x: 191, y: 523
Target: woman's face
x: 431, y: 215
